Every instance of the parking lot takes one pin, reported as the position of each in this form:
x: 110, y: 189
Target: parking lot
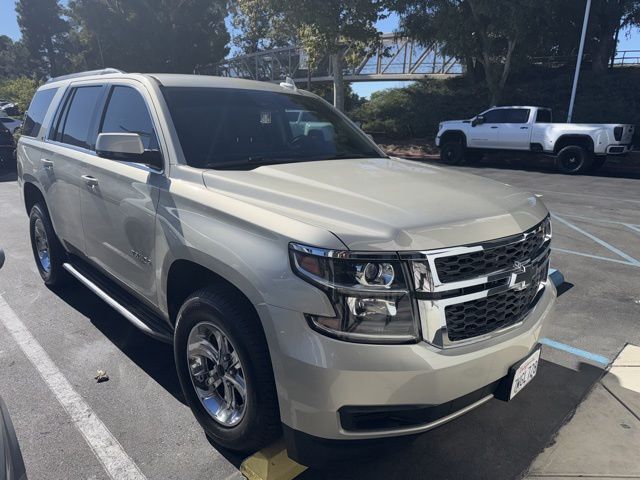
x: 596, y: 226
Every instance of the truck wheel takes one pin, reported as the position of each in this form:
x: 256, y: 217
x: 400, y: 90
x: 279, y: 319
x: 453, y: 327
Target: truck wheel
x: 48, y: 252
x: 224, y: 369
x: 452, y: 153
x: 574, y: 160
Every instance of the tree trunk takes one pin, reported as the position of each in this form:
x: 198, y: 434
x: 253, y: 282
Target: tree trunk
x: 53, y: 70
x: 338, y: 80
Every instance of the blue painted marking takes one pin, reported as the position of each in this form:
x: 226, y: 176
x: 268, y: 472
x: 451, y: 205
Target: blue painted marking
x: 575, y: 351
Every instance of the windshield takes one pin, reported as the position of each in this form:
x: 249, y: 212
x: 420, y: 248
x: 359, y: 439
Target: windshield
x: 233, y: 128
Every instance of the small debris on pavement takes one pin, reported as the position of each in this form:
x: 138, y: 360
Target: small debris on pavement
x: 101, y: 376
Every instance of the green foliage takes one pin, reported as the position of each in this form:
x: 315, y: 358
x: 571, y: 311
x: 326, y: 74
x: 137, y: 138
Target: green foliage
x: 19, y: 91
x: 142, y: 36
x: 416, y: 111
x: 44, y: 33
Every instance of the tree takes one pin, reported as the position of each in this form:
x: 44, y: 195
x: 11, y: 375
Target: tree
x: 44, y: 33
x: 489, y: 34
x: 324, y: 27
x: 259, y: 26
x: 145, y: 35
x: 19, y: 90
x: 607, y: 18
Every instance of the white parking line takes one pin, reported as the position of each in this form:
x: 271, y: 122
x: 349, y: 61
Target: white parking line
x: 608, y: 246
x: 105, y: 446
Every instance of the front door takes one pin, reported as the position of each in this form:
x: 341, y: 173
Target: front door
x: 119, y: 209
x: 485, y: 135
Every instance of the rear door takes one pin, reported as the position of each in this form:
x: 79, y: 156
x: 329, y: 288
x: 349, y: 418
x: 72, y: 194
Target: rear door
x: 119, y: 210
x: 70, y: 144
x: 514, y: 131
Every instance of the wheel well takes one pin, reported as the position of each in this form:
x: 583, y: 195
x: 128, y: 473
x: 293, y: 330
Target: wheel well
x: 185, y: 277
x: 583, y: 141
x: 32, y: 195
x: 453, y: 136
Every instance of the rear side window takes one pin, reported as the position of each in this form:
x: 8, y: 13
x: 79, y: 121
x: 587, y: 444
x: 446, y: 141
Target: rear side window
x: 126, y: 112
x: 37, y: 111
x: 75, y: 122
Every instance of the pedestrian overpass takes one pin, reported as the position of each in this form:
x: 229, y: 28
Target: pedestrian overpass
x: 397, y: 58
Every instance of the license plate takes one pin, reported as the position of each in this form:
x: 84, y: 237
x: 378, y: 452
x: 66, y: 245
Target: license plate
x: 525, y: 373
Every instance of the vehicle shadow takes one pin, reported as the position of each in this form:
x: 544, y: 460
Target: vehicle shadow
x: 152, y: 356
x: 614, y: 167
x: 496, y: 441
x: 8, y: 176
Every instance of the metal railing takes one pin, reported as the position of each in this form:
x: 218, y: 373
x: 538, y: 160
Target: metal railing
x: 623, y: 58
x: 397, y: 58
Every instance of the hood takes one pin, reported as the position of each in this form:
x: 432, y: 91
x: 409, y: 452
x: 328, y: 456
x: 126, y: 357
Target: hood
x: 385, y: 203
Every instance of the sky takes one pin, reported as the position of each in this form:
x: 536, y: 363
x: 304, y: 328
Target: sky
x: 629, y: 40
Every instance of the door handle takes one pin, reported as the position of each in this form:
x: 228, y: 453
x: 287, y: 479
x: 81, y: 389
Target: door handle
x: 46, y: 163
x: 524, y: 128
x: 90, y: 181
x: 494, y: 127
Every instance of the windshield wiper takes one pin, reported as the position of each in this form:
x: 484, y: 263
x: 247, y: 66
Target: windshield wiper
x: 251, y: 161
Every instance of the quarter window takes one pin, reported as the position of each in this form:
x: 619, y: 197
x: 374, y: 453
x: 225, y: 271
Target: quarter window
x: 74, y: 125
x: 127, y: 112
x: 543, y: 116
x: 37, y: 111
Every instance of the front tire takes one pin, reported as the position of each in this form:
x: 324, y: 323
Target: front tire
x: 574, y: 160
x: 48, y: 252
x: 224, y: 369
x: 452, y: 153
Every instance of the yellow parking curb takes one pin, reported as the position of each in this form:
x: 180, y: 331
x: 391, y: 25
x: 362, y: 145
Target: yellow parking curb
x: 271, y: 463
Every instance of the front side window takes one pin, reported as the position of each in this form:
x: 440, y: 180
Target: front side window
x: 127, y: 112
x: 494, y: 116
x: 37, y: 111
x: 75, y: 122
x: 234, y: 128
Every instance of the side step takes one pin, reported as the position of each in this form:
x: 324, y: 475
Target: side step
x: 122, y: 302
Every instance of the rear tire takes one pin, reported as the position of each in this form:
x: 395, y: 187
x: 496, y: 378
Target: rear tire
x: 452, y: 153
x: 48, y: 252
x: 233, y: 394
x: 574, y: 160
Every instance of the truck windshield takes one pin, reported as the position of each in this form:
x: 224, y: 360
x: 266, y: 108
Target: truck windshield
x: 240, y: 129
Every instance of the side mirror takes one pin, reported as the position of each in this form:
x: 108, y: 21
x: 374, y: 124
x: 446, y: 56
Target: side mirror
x: 479, y: 120
x: 1, y: 258
x: 127, y: 147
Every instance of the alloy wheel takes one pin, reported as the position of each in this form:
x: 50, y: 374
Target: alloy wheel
x: 217, y: 374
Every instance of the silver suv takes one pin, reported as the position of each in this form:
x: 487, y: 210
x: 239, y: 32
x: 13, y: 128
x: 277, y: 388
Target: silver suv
x: 309, y: 283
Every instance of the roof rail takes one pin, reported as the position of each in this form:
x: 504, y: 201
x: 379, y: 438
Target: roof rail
x: 104, y: 71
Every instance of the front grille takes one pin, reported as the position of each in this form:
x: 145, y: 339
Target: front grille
x: 490, y: 260
x: 485, y: 315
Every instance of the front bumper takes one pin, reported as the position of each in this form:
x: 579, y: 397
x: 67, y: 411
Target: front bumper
x: 316, y: 376
x: 618, y: 149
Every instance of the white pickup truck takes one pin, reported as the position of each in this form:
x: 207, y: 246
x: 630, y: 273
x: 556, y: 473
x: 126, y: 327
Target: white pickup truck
x: 577, y: 148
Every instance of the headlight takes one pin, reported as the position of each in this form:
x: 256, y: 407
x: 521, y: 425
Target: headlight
x: 369, y: 294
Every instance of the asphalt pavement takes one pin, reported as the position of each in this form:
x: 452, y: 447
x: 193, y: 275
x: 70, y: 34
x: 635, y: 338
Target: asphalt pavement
x: 596, y: 246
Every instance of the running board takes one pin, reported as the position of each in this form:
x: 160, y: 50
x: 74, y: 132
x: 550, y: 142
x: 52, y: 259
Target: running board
x: 98, y: 287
